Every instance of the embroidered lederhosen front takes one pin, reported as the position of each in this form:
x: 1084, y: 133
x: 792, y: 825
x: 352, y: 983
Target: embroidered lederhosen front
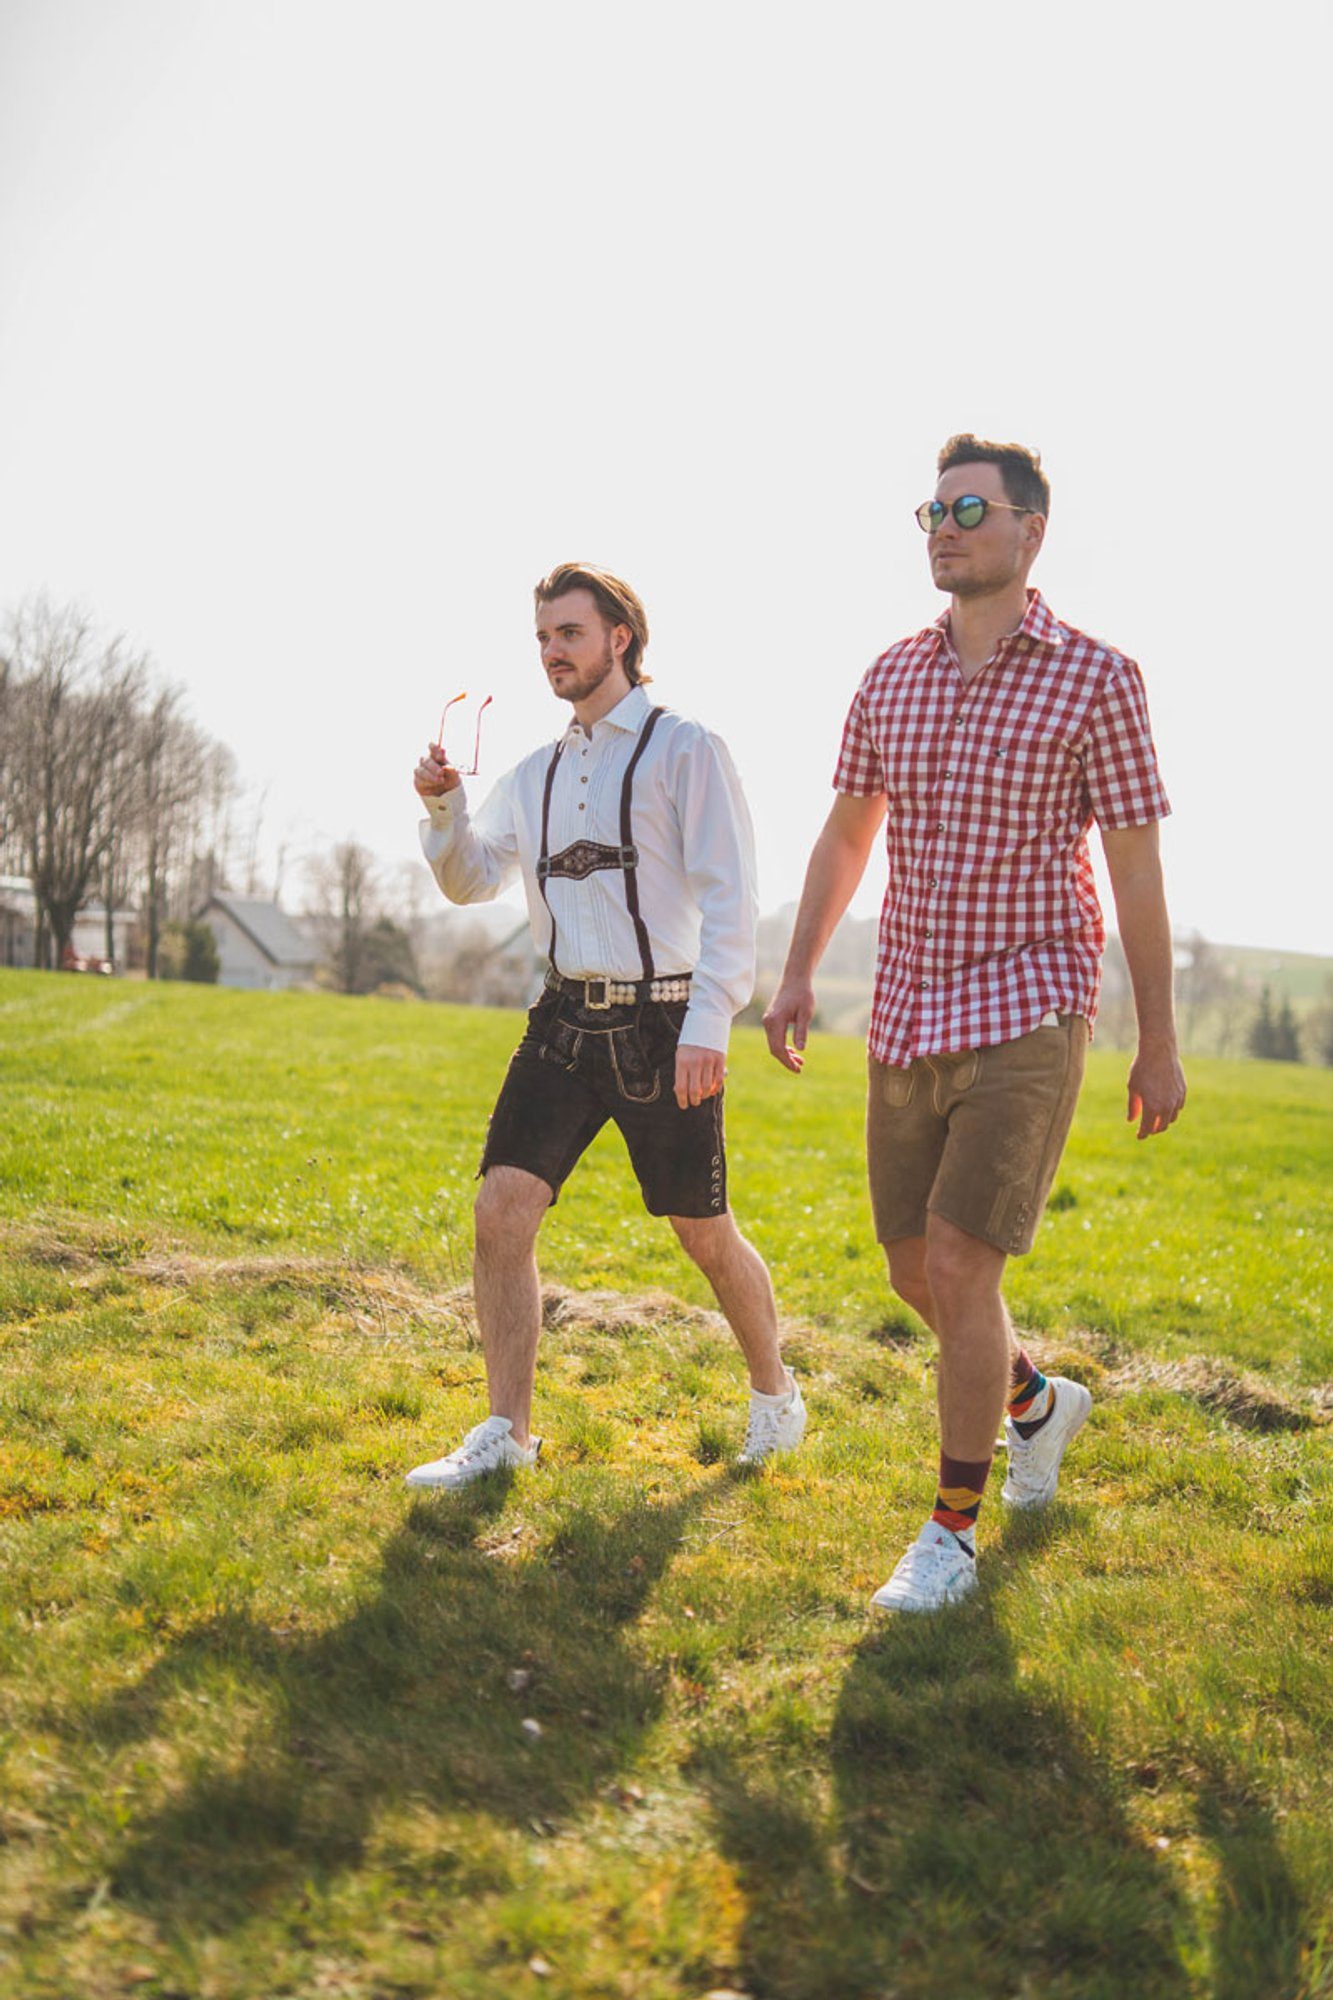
x: 586, y: 857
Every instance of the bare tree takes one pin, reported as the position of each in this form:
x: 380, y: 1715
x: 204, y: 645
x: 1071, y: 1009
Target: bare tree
x: 212, y: 839
x: 68, y: 705
x: 345, y: 891
x: 173, y: 758
x: 121, y: 805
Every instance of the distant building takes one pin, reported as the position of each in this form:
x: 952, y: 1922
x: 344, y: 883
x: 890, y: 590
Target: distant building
x: 18, y: 927
x: 259, y: 946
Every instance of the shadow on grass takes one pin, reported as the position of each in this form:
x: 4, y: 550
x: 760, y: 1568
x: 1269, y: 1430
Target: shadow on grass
x: 1259, y: 1932
x: 969, y: 1842
x: 408, y: 1701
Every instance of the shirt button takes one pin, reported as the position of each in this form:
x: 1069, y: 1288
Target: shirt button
x: 580, y: 805
x: 948, y: 774
x: 583, y: 780
x: 930, y: 933
x: 939, y: 826
x: 933, y: 883
x: 924, y: 985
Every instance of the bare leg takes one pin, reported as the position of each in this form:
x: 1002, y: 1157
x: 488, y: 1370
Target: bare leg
x: 907, y: 1275
x: 963, y: 1276
x: 743, y: 1289
x: 509, y: 1212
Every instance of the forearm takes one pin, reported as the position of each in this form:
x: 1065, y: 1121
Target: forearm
x: 465, y: 866
x: 837, y: 863
x: 1145, y: 939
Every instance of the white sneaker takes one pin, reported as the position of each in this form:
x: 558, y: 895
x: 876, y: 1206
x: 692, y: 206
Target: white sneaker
x: 777, y: 1423
x: 487, y: 1448
x: 1034, y: 1463
x: 937, y: 1570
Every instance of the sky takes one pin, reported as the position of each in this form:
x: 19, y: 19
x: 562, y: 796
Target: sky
x: 327, y: 328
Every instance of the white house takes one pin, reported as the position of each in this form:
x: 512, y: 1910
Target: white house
x: 258, y: 944
x: 18, y: 927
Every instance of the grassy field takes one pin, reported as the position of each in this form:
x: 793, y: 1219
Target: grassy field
x: 263, y: 1713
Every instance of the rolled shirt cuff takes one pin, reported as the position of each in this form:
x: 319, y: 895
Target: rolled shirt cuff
x: 446, y: 816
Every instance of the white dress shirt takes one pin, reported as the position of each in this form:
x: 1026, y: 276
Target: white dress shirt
x: 696, y: 867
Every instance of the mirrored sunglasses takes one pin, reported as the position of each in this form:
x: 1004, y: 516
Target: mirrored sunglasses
x: 969, y: 510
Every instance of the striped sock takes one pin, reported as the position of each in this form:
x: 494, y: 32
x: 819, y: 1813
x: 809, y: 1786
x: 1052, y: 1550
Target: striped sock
x: 1031, y: 1398
x: 962, y: 1483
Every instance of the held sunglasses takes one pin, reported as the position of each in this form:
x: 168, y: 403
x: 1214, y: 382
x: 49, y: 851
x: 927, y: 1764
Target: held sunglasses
x: 472, y: 769
x: 969, y: 510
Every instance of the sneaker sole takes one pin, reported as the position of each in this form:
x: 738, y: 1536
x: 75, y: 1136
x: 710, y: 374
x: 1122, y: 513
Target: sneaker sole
x: 451, y: 1482
x: 916, y: 1605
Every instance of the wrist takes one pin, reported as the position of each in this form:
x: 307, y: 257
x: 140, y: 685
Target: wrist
x: 1161, y: 1042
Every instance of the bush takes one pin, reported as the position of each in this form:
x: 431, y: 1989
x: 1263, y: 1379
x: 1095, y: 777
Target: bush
x: 188, y: 951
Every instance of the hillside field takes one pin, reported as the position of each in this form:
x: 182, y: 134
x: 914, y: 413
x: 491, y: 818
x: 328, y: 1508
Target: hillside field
x: 262, y: 1712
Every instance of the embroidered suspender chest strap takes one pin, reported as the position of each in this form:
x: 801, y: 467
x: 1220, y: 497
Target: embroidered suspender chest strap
x: 588, y: 857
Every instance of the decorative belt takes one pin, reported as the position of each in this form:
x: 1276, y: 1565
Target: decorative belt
x: 598, y: 994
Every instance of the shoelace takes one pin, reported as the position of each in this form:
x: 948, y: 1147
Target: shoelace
x: 474, y: 1447
x: 762, y: 1431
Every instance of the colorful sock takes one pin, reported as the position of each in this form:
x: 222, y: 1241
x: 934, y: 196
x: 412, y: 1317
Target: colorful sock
x: 962, y: 1483
x: 1031, y: 1398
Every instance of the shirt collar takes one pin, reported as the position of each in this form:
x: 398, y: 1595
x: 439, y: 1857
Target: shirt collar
x: 1039, y: 624
x: 629, y: 714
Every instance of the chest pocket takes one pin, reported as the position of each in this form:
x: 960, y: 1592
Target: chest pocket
x: 1028, y: 782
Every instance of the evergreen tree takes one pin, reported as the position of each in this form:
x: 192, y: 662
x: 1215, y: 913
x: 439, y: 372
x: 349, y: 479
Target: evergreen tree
x: 1262, y: 1038
x: 1286, y: 1037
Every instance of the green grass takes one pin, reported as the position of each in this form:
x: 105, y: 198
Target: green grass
x: 261, y: 1711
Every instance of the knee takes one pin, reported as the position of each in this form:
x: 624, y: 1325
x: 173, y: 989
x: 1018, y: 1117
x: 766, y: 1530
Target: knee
x: 912, y: 1289
x: 706, y: 1239
x: 959, y: 1268
x: 508, y: 1210
x: 907, y: 1275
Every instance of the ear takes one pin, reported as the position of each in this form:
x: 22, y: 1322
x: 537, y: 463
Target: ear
x: 621, y: 635
x: 1034, y: 534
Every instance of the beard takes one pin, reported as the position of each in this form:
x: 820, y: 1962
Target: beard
x: 586, y: 680
x: 963, y: 581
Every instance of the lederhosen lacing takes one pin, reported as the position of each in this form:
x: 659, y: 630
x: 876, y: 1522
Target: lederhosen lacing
x: 586, y: 857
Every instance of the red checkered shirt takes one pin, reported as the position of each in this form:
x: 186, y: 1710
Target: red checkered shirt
x: 991, y: 916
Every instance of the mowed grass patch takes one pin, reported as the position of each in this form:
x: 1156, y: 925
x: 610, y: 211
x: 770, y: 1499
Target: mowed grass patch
x: 303, y: 1122
x: 264, y: 1711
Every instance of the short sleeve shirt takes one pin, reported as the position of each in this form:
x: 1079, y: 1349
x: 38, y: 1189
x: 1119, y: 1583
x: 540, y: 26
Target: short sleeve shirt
x: 991, y: 916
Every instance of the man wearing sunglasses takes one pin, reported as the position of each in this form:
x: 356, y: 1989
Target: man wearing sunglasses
x: 634, y: 846
x: 986, y: 746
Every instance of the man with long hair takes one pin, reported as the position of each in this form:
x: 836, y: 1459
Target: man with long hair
x: 634, y: 846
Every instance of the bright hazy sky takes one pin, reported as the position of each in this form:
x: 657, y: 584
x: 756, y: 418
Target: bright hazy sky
x: 326, y: 328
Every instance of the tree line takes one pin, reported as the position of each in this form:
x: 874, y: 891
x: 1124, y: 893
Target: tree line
x: 108, y: 790
x: 110, y: 793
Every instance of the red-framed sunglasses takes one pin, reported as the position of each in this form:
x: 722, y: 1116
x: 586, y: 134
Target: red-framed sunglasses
x: 475, y: 765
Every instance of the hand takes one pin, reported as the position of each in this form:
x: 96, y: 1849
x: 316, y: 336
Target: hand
x: 1156, y: 1090
x: 787, y: 1023
x: 435, y: 775
x: 699, y: 1074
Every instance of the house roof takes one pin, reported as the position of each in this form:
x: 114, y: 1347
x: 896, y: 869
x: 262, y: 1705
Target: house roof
x: 268, y: 928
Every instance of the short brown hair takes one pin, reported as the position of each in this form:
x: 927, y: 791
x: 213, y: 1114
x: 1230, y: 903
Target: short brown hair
x: 1020, y: 469
x: 618, y: 604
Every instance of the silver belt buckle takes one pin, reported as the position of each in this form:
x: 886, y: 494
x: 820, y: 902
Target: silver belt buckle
x: 597, y: 1006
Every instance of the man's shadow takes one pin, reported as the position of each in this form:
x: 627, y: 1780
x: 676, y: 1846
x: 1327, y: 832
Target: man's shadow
x: 420, y: 1696
x: 969, y: 1823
